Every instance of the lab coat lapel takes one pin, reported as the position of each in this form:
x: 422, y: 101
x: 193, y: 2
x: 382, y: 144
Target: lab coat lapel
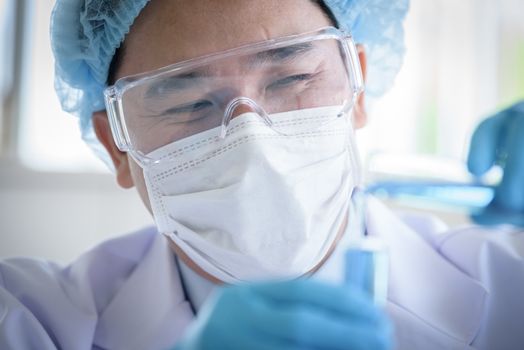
x: 424, y: 283
x: 150, y: 310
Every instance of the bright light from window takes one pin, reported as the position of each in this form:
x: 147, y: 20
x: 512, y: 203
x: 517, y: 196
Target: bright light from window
x: 49, y: 138
x: 452, y: 77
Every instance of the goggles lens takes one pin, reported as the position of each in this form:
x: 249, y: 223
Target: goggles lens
x: 172, y: 104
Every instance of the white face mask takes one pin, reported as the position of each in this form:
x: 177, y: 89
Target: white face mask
x: 258, y: 204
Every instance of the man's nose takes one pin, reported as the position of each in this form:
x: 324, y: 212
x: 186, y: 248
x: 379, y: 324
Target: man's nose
x: 241, y: 109
x: 239, y: 106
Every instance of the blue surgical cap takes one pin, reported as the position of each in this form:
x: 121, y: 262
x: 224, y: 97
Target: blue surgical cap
x: 85, y: 35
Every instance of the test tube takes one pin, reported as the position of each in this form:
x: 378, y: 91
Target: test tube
x: 366, y: 258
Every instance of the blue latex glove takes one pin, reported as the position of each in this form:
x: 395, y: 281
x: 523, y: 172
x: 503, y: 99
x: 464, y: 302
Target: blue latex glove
x: 299, y: 314
x: 499, y: 140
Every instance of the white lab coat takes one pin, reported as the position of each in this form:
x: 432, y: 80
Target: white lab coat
x: 457, y: 289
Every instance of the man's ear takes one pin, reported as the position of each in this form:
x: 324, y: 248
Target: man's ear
x: 360, y: 116
x: 120, y: 159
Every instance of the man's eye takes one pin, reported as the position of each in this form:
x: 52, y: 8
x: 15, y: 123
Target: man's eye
x: 289, y: 80
x: 189, y: 107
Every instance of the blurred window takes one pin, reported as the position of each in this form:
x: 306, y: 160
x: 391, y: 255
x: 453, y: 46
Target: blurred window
x: 465, y: 60
x: 49, y: 138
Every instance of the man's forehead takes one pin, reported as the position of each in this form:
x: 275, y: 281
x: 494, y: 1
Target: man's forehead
x: 168, y: 32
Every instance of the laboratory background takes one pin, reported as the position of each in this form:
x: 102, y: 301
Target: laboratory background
x: 464, y: 61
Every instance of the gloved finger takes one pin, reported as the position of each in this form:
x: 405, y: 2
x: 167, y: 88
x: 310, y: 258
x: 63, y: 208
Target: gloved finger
x: 308, y: 326
x: 362, y: 338
x: 326, y: 333
x: 509, y: 194
x: 335, y: 299
x: 229, y: 322
x: 236, y: 339
x: 484, y: 145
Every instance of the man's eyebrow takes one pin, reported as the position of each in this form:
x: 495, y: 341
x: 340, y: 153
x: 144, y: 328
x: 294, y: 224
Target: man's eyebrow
x: 175, y: 83
x: 190, y: 79
x: 281, y: 54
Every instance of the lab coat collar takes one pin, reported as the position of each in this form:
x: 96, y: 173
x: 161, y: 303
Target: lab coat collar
x: 150, y: 309
x: 424, y: 283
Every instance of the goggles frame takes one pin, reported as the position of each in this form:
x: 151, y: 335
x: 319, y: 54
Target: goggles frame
x: 113, y: 95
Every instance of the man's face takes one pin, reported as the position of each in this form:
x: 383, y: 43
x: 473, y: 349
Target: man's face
x: 168, y: 32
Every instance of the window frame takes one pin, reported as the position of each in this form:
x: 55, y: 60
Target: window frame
x: 16, y: 45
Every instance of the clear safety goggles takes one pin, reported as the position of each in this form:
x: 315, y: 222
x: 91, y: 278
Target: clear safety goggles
x: 154, y: 109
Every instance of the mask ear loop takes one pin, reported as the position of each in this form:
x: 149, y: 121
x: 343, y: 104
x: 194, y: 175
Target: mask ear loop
x: 233, y: 105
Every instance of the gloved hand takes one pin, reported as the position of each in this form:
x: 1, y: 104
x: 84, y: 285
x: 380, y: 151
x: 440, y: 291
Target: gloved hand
x: 289, y: 315
x: 499, y: 140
